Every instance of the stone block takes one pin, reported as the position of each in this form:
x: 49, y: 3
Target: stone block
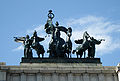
x: 78, y: 71
x: 47, y: 71
x: 86, y: 77
x: 109, y: 77
x: 93, y: 71
x: 108, y: 71
x: 2, y: 76
x: 15, y: 77
x: 93, y: 77
x: 70, y: 77
x: 31, y: 77
x: 38, y: 77
x: 47, y: 77
x: 23, y: 77
x: 62, y: 77
x: 63, y: 71
x: 115, y: 77
x: 55, y: 77
x: 101, y: 77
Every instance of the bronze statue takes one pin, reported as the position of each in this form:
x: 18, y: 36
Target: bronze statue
x: 31, y: 43
x: 69, y: 42
x: 91, y: 49
x: 36, y: 45
x: 27, y: 45
x: 57, y: 46
x: 86, y: 45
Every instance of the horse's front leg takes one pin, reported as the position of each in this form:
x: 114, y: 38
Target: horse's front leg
x: 68, y: 55
x: 77, y: 55
x: 81, y: 54
x: 38, y: 55
x: 42, y: 55
x: 84, y: 54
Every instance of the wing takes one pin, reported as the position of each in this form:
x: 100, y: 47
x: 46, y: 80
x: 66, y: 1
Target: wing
x: 40, y: 39
x: 79, y: 41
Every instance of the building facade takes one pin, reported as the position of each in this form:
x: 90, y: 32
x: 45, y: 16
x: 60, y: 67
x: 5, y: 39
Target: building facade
x: 59, y: 72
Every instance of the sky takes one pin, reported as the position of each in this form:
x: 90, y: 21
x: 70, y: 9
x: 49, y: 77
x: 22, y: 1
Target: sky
x: 100, y: 18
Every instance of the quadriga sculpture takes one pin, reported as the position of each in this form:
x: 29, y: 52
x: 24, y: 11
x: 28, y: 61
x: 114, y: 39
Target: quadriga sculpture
x: 57, y: 46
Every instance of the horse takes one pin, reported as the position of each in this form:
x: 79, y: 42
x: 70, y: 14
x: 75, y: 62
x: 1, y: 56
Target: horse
x: 84, y: 45
x: 57, y: 45
x: 36, y: 45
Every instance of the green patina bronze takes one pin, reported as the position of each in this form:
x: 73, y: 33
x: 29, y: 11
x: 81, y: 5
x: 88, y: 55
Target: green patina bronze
x: 58, y: 47
x: 87, y: 43
x: 31, y: 43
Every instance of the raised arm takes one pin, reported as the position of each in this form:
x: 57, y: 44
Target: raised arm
x: 19, y: 39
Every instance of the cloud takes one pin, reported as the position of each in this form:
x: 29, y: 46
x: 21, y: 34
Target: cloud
x: 39, y: 29
x: 118, y: 30
x: 19, y: 48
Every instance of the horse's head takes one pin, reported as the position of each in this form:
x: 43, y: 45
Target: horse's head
x: 85, y: 36
x: 69, y: 32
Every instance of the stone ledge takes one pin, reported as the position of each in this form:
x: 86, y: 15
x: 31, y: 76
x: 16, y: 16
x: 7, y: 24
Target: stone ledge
x: 67, y: 69
x: 60, y: 64
x: 62, y: 71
